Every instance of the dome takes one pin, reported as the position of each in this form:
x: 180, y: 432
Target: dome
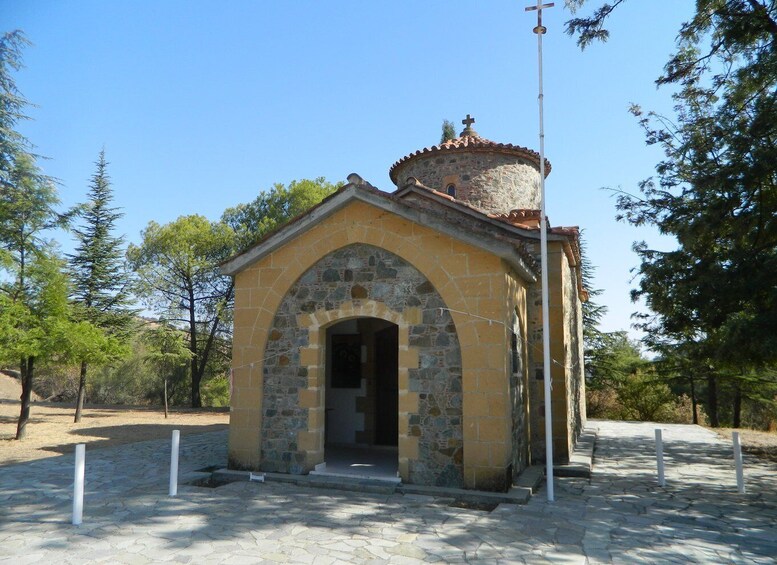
x: 495, y: 177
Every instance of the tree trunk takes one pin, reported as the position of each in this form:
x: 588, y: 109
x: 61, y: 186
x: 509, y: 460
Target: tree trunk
x: 81, y: 393
x: 27, y: 366
x: 165, y: 398
x: 712, y: 400
x: 737, y: 406
x: 196, y: 376
x: 693, y: 402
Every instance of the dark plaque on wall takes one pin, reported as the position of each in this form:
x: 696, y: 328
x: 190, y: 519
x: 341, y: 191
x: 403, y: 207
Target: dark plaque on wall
x: 346, y: 361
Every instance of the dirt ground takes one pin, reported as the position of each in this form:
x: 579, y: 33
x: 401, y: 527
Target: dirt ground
x: 51, y: 430
x: 760, y: 444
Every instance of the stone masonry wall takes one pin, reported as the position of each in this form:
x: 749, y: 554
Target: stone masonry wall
x: 519, y: 397
x: 574, y: 356
x: 356, y: 272
x: 494, y: 182
x: 561, y: 302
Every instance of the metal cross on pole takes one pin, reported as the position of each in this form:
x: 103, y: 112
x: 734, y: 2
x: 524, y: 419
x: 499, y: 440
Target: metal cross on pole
x: 540, y: 31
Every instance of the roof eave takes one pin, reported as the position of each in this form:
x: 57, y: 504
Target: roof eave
x: 384, y: 201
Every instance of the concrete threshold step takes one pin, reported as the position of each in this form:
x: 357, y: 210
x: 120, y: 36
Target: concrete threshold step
x: 516, y: 495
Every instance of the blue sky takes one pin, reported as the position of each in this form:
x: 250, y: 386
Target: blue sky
x: 201, y: 104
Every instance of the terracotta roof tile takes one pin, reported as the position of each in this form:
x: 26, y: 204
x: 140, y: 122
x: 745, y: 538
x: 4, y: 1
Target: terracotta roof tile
x: 473, y: 143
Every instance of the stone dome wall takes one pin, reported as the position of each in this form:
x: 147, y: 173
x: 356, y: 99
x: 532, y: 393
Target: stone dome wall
x: 492, y: 181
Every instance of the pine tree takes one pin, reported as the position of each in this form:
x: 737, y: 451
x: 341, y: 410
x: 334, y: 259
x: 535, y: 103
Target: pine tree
x: 99, y: 278
x: 448, y: 131
x: 179, y: 278
x: 713, y: 297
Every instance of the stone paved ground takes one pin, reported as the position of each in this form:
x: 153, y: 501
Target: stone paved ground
x: 619, y: 515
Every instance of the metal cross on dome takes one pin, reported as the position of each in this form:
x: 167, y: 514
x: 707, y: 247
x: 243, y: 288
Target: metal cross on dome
x: 468, y: 121
x: 539, y: 7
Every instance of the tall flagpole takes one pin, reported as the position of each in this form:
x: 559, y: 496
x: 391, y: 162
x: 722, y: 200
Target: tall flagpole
x: 540, y: 30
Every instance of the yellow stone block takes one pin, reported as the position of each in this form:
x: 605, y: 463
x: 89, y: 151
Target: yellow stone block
x: 469, y: 429
x: 408, y: 358
x: 499, y: 454
x: 492, y: 381
x: 309, y: 398
x: 249, y: 397
x: 413, y: 315
x: 408, y: 402
x: 493, y: 309
x: 316, y: 419
x: 408, y: 447
x: 476, y: 405
x: 403, y: 379
x: 242, y: 299
x: 238, y: 418
x: 492, y: 429
x: 309, y: 441
x: 404, y: 469
x: 268, y: 276
x: 479, y: 455
x: 244, y: 318
x: 498, y: 359
x: 497, y: 405
x: 309, y: 356
x: 483, y: 263
x: 469, y: 380
x: 315, y: 376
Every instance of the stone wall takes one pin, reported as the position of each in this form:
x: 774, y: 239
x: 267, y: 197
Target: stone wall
x: 494, y: 182
x: 365, y: 272
x: 519, y: 395
x: 469, y: 280
x: 573, y: 326
x: 563, y: 303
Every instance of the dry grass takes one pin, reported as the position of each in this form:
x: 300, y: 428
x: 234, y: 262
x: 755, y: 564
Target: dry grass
x: 760, y: 444
x: 51, y: 430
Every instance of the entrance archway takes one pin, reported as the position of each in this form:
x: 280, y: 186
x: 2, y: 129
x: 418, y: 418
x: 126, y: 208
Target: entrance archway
x: 362, y: 398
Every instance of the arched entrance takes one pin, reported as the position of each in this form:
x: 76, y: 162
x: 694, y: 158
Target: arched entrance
x: 362, y: 398
x: 367, y: 285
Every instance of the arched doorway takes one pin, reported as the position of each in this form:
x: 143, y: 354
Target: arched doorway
x: 361, y: 398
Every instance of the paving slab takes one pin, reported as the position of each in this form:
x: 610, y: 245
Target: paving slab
x: 619, y: 514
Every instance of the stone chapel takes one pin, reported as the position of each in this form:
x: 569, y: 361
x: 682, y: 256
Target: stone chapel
x: 409, y: 323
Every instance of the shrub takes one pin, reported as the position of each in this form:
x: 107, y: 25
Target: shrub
x: 215, y: 392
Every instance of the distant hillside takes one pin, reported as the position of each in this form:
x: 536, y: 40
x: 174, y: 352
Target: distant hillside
x: 11, y: 388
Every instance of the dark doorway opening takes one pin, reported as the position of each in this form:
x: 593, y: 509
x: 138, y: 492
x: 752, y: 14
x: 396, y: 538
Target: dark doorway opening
x: 387, y: 386
x: 362, y: 398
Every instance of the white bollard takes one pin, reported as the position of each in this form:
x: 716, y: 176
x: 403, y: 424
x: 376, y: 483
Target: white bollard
x: 174, y: 463
x: 78, y: 485
x: 738, y: 463
x: 660, y: 458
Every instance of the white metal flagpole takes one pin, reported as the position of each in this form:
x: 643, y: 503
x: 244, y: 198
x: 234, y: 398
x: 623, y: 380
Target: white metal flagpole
x: 540, y: 31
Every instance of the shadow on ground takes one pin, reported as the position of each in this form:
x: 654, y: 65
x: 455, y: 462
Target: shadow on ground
x: 620, y: 514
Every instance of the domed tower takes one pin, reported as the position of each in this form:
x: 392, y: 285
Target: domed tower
x: 495, y: 177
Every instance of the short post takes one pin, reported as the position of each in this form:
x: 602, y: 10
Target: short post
x: 78, y: 485
x: 738, y: 463
x: 174, y: 463
x: 660, y: 458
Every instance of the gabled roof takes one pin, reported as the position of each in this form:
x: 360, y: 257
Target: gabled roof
x: 430, y: 208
